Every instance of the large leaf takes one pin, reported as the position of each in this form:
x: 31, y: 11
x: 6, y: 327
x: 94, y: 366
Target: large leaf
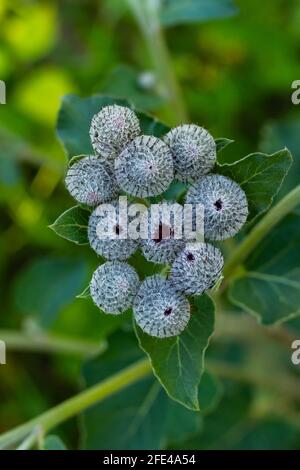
x: 178, y: 362
x: 261, y: 176
x: 75, y: 117
x: 141, y: 416
x: 47, y: 285
x: 225, y: 424
x: 209, y: 393
x: 190, y: 11
x: 130, y: 419
x: 270, y: 288
x: 73, y: 225
x: 182, y: 423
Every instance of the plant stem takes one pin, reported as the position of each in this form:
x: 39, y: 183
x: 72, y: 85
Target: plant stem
x: 269, y: 221
x: 71, y: 407
x: 19, y: 341
x: 147, y: 16
x: 29, y: 441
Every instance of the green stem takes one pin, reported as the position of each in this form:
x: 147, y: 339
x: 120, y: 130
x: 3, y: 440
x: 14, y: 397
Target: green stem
x: 147, y: 16
x: 18, y: 341
x: 29, y: 441
x: 269, y: 221
x: 78, y: 403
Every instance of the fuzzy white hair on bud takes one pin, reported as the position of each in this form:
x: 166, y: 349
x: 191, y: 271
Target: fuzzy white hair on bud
x: 112, y: 129
x: 114, y: 286
x: 89, y: 182
x: 196, y: 269
x: 145, y: 167
x: 194, y: 151
x: 225, y: 205
x: 160, y: 310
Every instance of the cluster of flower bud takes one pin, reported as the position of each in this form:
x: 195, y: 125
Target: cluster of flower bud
x: 143, y: 166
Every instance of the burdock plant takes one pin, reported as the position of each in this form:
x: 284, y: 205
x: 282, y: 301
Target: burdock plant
x: 163, y: 291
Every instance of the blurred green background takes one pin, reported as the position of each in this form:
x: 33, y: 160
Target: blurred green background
x: 236, y: 76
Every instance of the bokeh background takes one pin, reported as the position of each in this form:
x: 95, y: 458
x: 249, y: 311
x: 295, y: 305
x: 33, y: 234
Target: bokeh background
x: 236, y: 76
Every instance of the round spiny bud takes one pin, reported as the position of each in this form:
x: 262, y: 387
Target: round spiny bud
x: 193, y: 150
x: 225, y: 205
x: 159, y: 310
x: 107, y: 233
x: 196, y: 269
x: 145, y: 167
x: 114, y: 286
x: 89, y: 182
x: 112, y: 129
x: 165, y: 232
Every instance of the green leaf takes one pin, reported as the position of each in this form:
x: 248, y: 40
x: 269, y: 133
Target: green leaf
x: 141, y: 416
x: 47, y: 285
x: 73, y: 224
x: 54, y: 443
x: 74, y: 121
x: 222, y: 143
x: 182, y: 423
x: 210, y: 392
x: 75, y: 117
x: 270, y: 288
x: 224, y: 425
x: 131, y: 419
x: 261, y: 176
x: 151, y: 126
x: 191, y: 11
x: 178, y: 362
